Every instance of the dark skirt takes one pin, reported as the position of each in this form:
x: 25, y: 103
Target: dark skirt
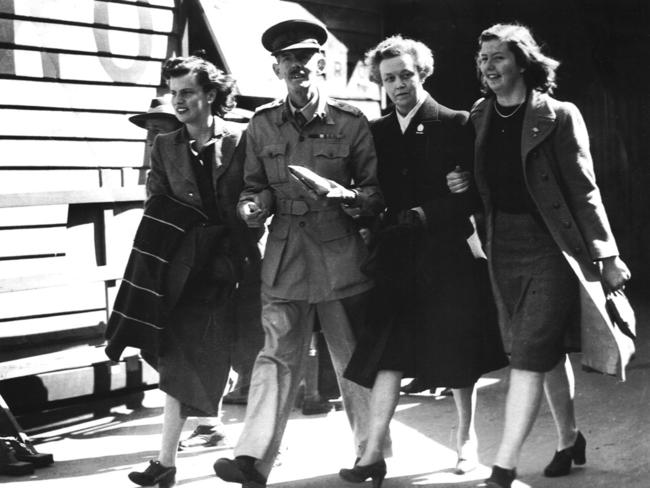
x: 538, y: 288
x: 436, y: 321
x: 195, y: 363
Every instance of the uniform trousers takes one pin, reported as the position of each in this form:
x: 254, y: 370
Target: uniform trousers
x: 279, y: 368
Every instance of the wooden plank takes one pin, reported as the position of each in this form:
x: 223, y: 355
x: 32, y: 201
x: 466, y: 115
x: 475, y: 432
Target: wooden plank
x: 72, y: 357
x: 33, y: 280
x: 43, y: 325
x: 54, y: 300
x: 120, y: 228
x: 13, y: 181
x: 91, y: 12
x: 75, y: 375
x: 17, y: 122
x: 125, y: 194
x: 83, y: 67
x: 78, y: 38
x: 24, y: 216
x: 32, y: 242
x: 74, y: 95
x: 12, y: 268
x: 52, y: 153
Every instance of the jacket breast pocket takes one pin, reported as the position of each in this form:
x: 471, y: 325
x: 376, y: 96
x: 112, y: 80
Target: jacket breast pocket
x: 330, y: 159
x: 275, y: 165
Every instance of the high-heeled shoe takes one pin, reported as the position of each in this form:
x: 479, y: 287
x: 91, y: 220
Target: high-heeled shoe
x: 560, y: 465
x: 359, y: 474
x: 501, y: 477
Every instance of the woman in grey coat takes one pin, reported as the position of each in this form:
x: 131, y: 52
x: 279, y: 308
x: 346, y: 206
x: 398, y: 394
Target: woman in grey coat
x: 551, y: 252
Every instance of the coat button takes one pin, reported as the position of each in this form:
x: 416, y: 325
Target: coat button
x: 405, y: 171
x: 556, y: 205
x: 566, y: 224
x: 577, y: 249
x: 302, y: 223
x: 544, y: 176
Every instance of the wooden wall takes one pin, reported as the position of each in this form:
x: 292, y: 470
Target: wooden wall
x: 71, y: 170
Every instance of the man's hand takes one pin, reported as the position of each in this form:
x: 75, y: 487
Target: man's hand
x: 458, y: 180
x: 340, y: 194
x: 251, y: 213
x: 614, y: 273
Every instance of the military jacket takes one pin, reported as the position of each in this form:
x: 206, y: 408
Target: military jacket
x: 313, y: 250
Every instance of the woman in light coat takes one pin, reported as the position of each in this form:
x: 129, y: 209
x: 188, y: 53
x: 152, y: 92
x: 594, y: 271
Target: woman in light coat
x: 550, y: 248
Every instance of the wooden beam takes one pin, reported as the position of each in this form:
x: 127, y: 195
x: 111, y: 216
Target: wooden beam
x: 40, y: 93
x: 63, y: 37
x: 84, y: 67
x: 52, y: 153
x: 100, y: 12
x: 126, y: 194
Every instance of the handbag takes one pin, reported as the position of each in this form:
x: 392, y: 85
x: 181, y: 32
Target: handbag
x: 621, y: 313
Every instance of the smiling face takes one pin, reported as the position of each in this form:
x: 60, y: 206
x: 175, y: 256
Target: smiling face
x: 500, y: 70
x: 402, y: 81
x: 193, y: 105
x: 299, y: 68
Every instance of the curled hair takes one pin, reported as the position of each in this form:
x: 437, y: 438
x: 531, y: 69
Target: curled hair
x: 539, y: 69
x: 208, y: 76
x: 395, y: 46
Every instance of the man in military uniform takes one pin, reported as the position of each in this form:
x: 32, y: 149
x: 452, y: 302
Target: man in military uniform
x: 313, y: 251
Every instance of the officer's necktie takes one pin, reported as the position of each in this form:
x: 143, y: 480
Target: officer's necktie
x: 300, y: 119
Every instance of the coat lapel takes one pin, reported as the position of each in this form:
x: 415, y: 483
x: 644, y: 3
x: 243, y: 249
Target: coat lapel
x: 481, y: 115
x: 223, y: 150
x: 539, y: 121
x: 183, y: 164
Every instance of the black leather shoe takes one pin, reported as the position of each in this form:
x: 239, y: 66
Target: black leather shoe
x: 560, y: 465
x: 239, y: 470
x: 500, y: 477
x: 359, y: 474
x: 10, y: 465
x: 155, y: 474
x: 26, y: 452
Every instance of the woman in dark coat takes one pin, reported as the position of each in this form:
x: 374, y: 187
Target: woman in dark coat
x: 432, y: 316
x: 549, y: 244
x: 200, y: 165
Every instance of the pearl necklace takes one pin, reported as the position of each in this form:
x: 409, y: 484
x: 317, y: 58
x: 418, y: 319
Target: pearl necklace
x: 496, y: 108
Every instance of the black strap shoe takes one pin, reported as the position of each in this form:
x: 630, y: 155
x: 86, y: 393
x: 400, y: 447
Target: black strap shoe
x: 560, y: 465
x: 500, y: 477
x: 155, y: 474
x: 240, y: 470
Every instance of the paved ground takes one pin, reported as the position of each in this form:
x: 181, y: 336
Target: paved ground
x: 615, y: 418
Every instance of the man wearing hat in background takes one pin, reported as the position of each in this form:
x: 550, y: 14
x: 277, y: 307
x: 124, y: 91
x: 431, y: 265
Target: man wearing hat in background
x: 158, y: 119
x: 311, y: 265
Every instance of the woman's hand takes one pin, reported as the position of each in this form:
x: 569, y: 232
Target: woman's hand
x: 614, y: 273
x: 251, y: 213
x: 458, y: 180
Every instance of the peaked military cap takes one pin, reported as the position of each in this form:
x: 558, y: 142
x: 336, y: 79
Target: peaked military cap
x: 294, y: 34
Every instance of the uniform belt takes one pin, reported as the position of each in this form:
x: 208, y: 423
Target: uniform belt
x: 301, y: 207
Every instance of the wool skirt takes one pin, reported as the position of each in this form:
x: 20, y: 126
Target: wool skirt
x: 538, y: 288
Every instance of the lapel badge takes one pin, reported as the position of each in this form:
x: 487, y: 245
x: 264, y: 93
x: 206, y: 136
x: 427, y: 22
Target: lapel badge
x: 419, y: 129
x: 535, y: 131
